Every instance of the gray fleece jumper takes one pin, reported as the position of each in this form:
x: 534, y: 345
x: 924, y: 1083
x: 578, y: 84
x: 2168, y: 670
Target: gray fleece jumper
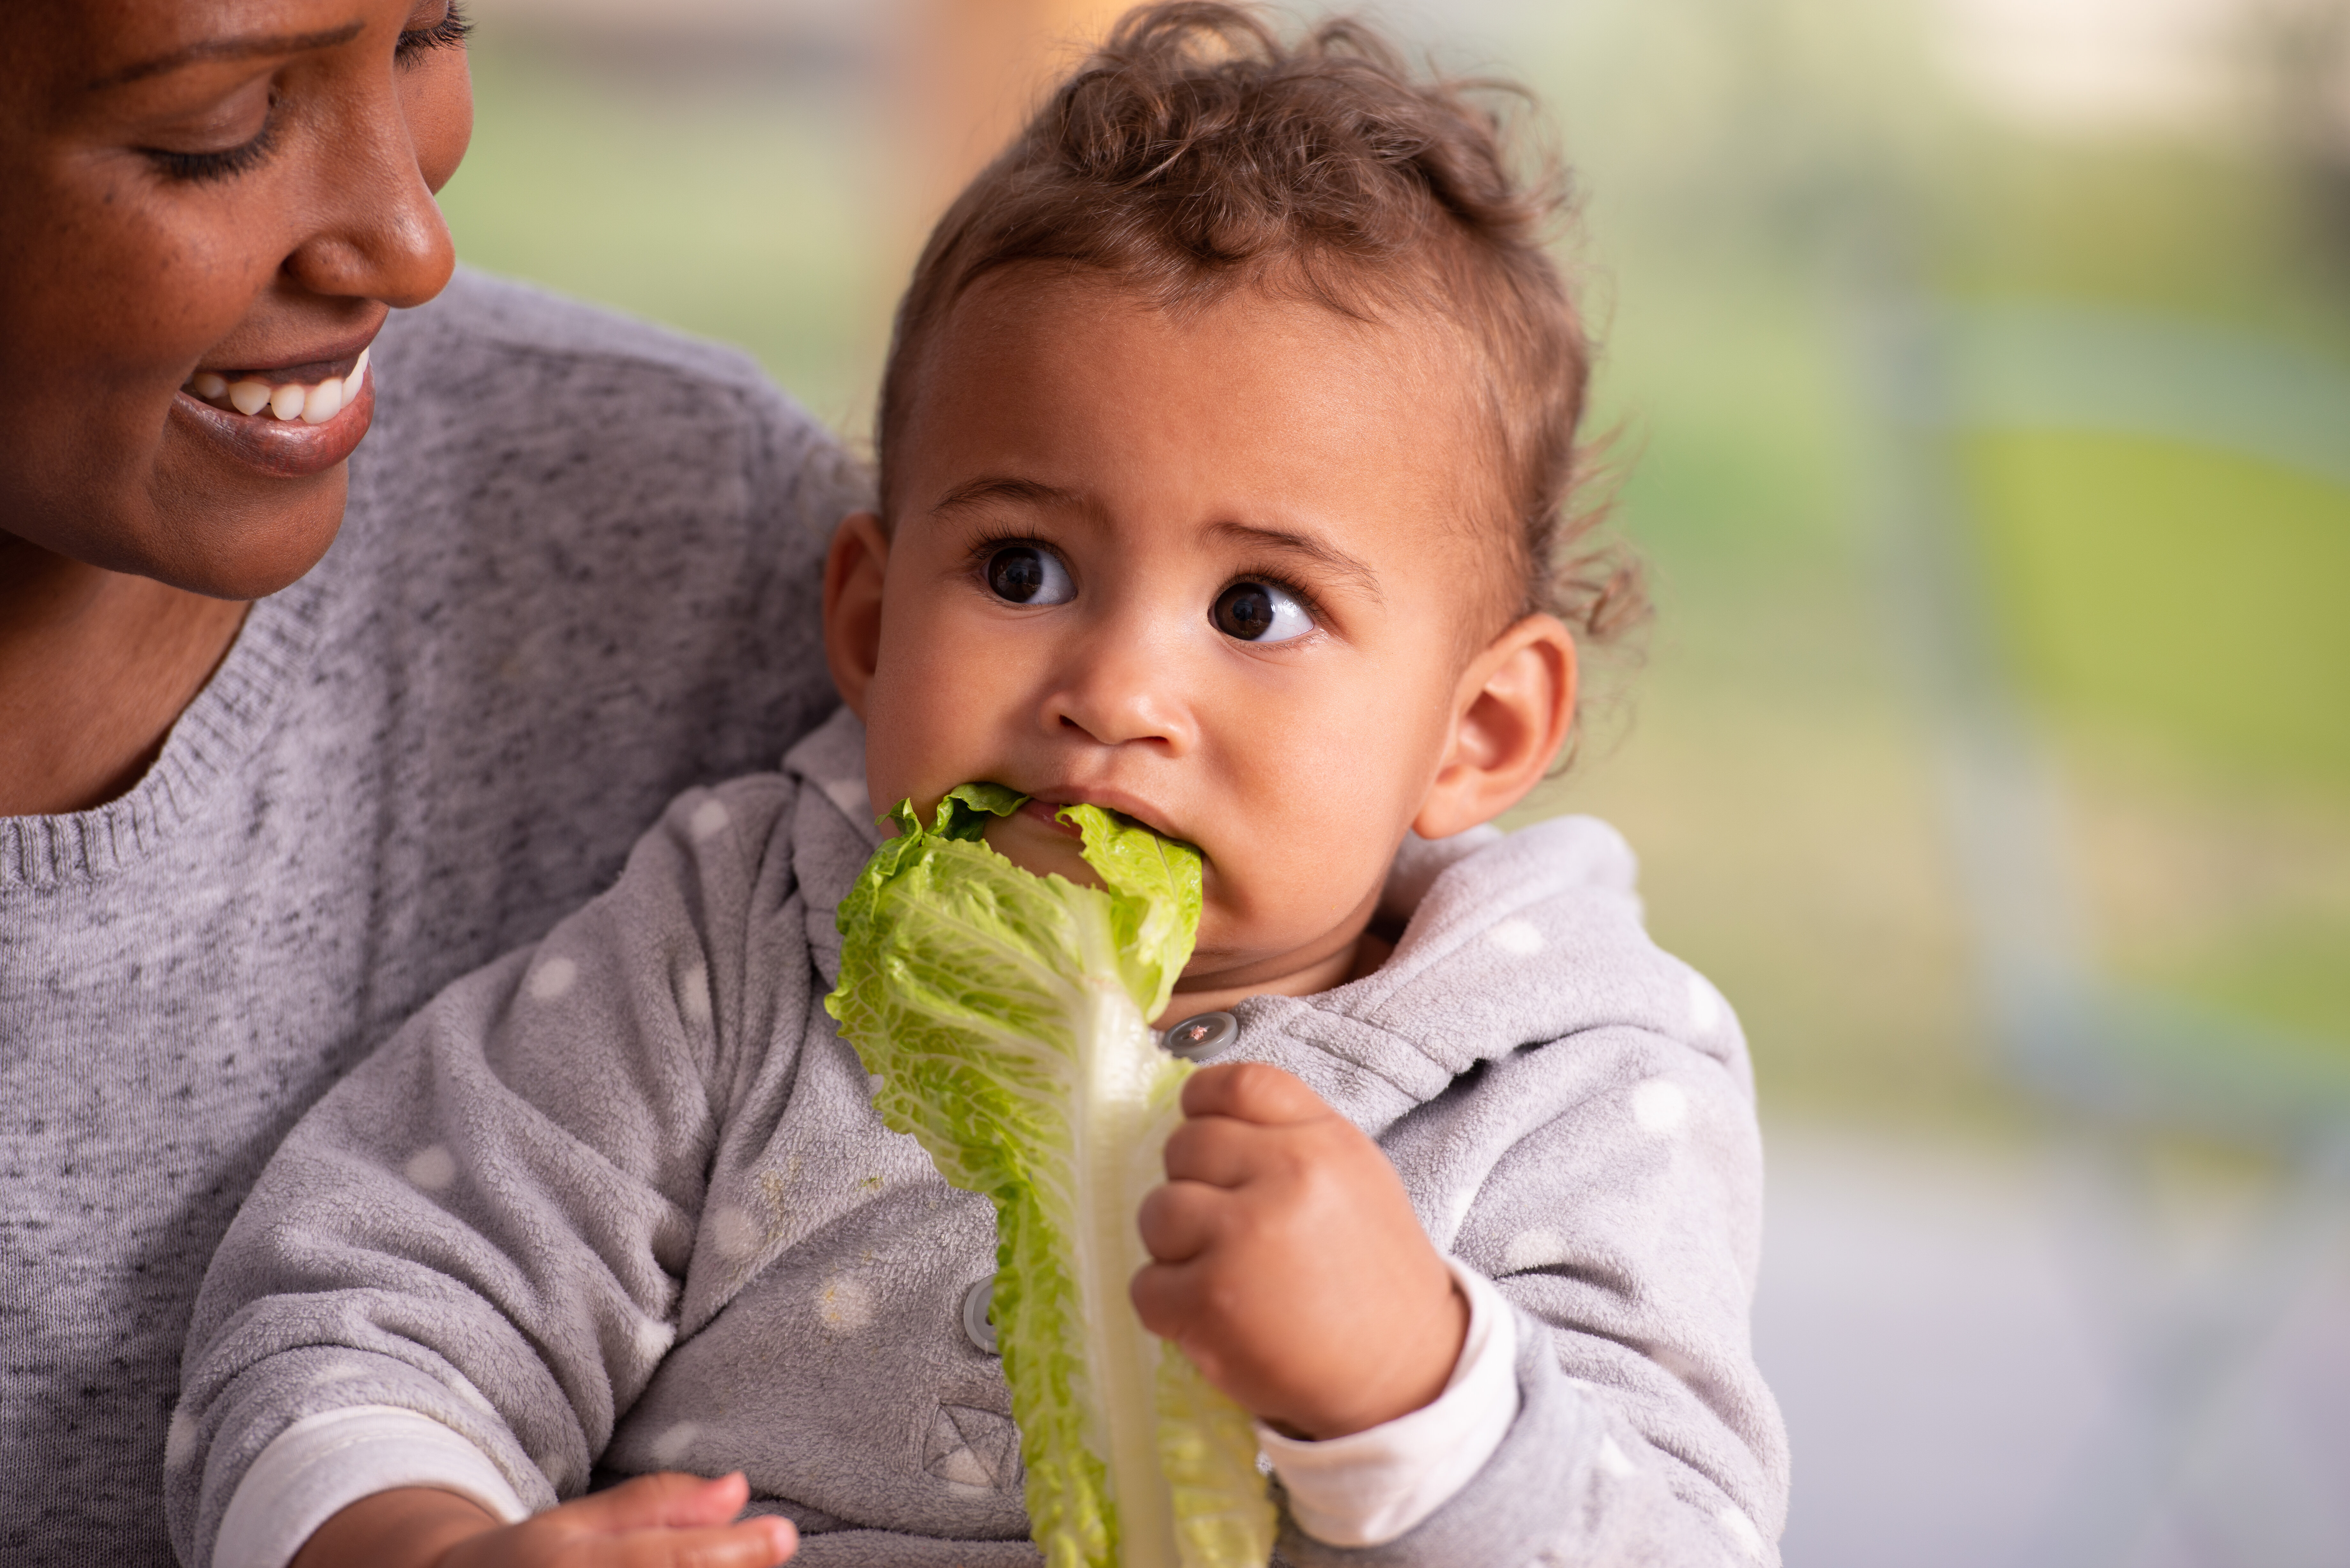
x: 579, y: 572
x: 620, y: 1202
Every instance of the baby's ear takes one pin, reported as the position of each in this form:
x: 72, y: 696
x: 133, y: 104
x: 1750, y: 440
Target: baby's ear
x: 853, y: 573
x: 1511, y: 714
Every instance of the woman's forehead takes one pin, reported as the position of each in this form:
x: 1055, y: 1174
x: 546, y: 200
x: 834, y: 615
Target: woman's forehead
x: 98, y: 45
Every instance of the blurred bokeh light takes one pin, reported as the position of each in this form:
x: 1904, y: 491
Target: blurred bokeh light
x: 1980, y: 372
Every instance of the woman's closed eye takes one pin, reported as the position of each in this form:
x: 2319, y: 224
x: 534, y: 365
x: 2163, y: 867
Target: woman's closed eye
x: 1029, y: 574
x: 1260, y: 612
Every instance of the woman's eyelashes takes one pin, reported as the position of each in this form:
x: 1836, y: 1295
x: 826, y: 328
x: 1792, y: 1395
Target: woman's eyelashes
x: 447, y: 32
x: 1024, y: 574
x: 1257, y: 611
x: 222, y: 164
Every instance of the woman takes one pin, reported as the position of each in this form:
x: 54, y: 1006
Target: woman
x: 351, y: 626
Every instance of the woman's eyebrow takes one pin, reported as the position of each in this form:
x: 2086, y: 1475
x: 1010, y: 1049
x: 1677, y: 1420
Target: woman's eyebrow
x: 1330, y: 557
x: 230, y: 49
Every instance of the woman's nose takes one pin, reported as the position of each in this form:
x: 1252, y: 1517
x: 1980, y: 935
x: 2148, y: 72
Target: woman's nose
x: 381, y: 234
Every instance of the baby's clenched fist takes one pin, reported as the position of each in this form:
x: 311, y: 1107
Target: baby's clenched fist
x: 1288, y: 1263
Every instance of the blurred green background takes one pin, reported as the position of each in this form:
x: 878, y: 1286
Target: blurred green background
x: 2127, y: 225
x: 2173, y: 613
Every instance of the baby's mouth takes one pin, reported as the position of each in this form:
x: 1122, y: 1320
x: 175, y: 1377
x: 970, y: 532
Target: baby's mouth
x: 1048, y: 813
x: 311, y: 402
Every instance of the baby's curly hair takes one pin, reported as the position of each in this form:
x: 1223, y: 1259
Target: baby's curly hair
x: 1196, y: 153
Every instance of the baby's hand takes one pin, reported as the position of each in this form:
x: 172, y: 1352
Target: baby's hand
x: 1290, y: 1267
x: 653, y: 1522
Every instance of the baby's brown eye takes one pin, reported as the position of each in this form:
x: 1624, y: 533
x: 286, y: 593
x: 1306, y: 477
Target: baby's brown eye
x: 1029, y: 574
x: 1260, y: 612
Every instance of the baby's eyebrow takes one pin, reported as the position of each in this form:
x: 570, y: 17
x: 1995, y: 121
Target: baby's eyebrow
x: 1306, y: 547
x: 994, y: 487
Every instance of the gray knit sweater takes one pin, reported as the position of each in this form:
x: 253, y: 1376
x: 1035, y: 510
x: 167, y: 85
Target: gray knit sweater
x: 620, y: 1202
x: 579, y: 573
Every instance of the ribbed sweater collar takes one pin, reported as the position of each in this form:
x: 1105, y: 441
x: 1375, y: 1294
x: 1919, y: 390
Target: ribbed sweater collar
x: 207, y: 748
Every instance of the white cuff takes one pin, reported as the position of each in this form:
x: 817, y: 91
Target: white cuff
x: 1369, y: 1486
x: 324, y: 1463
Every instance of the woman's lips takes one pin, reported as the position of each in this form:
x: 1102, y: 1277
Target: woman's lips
x: 276, y: 430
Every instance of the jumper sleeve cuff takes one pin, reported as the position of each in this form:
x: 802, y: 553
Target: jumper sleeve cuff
x: 323, y: 1464
x: 1369, y: 1486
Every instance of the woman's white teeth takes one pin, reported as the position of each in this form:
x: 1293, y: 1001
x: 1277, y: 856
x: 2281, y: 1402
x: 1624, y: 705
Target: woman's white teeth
x: 311, y: 405
x: 322, y: 402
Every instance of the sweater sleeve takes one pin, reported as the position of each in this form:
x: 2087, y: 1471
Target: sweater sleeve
x: 482, y: 1234
x: 1610, y: 1185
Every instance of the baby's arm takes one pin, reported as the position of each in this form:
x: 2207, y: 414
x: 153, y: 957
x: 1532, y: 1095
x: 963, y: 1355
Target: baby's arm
x: 474, y: 1253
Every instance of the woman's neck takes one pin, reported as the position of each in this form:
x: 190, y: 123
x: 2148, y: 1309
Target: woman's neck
x: 95, y: 669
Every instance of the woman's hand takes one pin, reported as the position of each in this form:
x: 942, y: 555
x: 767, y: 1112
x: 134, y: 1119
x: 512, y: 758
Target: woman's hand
x: 653, y: 1522
x: 1289, y: 1264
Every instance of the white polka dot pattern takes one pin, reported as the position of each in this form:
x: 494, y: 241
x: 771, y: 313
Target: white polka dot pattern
x: 654, y: 1337
x: 1534, y: 1249
x: 433, y: 1167
x: 1517, y: 938
x: 1741, y: 1530
x: 734, y: 1231
x: 669, y: 1449
x: 693, y: 996
x: 1704, y: 1006
x: 1661, y: 1107
x: 843, y: 1303
x: 552, y: 977
x: 179, y: 1440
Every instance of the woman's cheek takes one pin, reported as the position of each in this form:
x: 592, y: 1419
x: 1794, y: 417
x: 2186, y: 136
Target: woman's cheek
x: 439, y: 102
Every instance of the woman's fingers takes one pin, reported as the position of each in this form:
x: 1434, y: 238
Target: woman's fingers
x: 754, y: 1543
x: 665, y: 1501
x: 653, y: 1522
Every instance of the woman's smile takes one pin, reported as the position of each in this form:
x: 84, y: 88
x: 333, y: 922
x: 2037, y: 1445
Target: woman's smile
x: 289, y: 423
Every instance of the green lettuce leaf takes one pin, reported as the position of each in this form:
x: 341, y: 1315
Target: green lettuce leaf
x: 1005, y: 1015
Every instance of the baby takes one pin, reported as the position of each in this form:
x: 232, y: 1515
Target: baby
x: 1223, y: 450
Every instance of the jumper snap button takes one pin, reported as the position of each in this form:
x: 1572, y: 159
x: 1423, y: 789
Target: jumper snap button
x: 1207, y: 1034
x: 977, y: 1326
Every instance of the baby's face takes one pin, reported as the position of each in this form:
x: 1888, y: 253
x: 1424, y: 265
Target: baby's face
x: 1216, y: 572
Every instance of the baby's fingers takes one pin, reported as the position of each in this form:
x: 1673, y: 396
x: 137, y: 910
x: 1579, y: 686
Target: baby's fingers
x: 1179, y: 1219
x: 1252, y: 1092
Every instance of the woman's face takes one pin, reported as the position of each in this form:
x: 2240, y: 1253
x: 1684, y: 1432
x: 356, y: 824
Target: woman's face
x: 198, y: 195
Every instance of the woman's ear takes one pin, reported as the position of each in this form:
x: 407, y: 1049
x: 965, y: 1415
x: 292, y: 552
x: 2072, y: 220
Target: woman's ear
x: 1510, y: 716
x: 853, y: 574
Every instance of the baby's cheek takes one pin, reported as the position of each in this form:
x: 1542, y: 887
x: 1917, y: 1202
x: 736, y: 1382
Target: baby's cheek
x: 1292, y: 893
